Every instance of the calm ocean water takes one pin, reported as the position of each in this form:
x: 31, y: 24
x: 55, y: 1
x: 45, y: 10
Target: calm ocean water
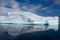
x: 38, y: 35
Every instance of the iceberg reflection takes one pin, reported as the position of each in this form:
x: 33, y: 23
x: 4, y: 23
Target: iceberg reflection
x: 17, y: 29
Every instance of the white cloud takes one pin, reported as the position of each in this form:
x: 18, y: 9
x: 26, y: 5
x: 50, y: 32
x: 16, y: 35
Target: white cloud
x: 47, y: 9
x: 26, y: 6
x: 31, y: 7
x: 13, y: 4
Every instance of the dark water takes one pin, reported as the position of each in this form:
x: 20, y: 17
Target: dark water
x: 39, y: 35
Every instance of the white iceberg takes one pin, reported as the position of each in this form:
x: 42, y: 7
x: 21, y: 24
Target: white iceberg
x: 27, y: 22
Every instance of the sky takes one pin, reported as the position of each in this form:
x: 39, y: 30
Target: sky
x: 39, y: 7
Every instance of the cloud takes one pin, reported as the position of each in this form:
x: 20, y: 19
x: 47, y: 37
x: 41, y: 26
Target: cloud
x: 12, y: 3
x: 15, y: 6
x: 57, y: 2
x: 31, y: 7
x: 34, y: 8
x: 20, y: 8
x: 47, y: 9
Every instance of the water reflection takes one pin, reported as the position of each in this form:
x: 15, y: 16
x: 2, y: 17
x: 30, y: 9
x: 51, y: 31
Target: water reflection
x: 17, y: 29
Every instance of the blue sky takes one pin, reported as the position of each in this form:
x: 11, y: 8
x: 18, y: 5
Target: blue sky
x: 40, y: 7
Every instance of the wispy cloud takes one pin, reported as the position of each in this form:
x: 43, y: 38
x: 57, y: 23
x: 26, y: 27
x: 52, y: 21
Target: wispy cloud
x: 13, y: 6
x: 31, y: 7
x: 12, y: 3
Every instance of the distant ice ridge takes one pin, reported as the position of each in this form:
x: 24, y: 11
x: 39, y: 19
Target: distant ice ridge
x: 17, y: 24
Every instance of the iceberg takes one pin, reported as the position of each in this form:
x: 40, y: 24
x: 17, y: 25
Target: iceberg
x: 17, y: 24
